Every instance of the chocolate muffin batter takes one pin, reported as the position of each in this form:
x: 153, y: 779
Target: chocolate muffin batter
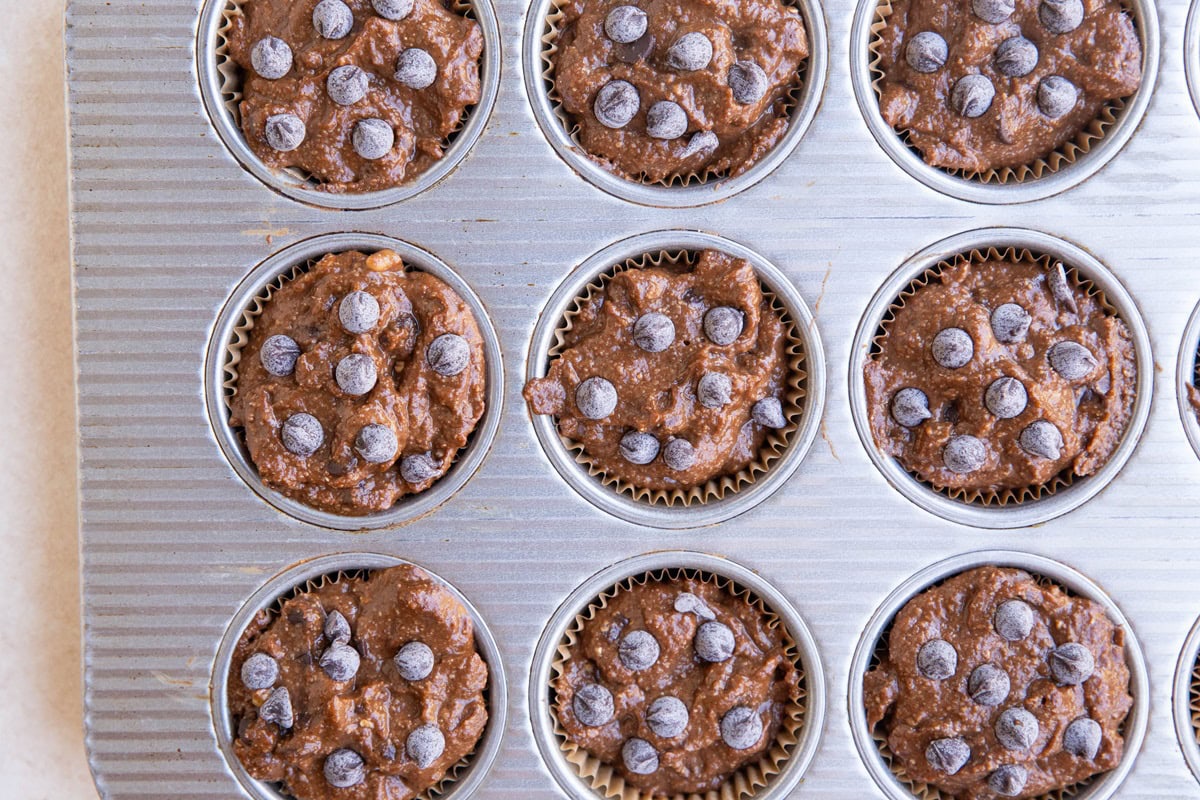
x: 995, y: 684
x: 670, y: 376
x: 677, y: 684
x: 359, y: 688
x: 361, y: 95
x: 979, y: 85
x: 1000, y: 375
x: 359, y: 383
x: 661, y: 89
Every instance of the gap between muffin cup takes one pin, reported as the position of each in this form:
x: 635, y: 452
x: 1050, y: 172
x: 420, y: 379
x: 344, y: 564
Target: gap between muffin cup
x: 223, y: 355
x: 1186, y: 700
x: 1100, y: 786
x: 1063, y: 499
x: 732, y: 501
x: 463, y: 779
x: 1100, y: 148
x: 213, y: 74
x: 741, y: 581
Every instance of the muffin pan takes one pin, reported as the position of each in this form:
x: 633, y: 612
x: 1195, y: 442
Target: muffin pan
x: 167, y: 225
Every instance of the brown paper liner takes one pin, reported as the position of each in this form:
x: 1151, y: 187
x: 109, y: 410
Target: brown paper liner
x: 976, y: 496
x: 453, y: 773
x: 774, y: 444
x: 1067, y: 154
x: 1194, y: 701
x: 925, y: 791
x: 607, y: 781
x: 551, y: 29
x: 230, y: 89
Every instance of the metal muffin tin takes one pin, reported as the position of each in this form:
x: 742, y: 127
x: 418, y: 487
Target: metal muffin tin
x: 167, y: 224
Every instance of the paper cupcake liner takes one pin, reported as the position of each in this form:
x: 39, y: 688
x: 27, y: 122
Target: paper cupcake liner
x: 1064, y: 156
x: 776, y: 441
x: 552, y: 28
x: 747, y: 782
x: 230, y: 88
x: 1019, y: 254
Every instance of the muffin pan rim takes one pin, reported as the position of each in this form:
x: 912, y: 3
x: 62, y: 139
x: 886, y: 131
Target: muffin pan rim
x: 1185, y: 377
x: 1181, y: 697
x: 1191, y: 53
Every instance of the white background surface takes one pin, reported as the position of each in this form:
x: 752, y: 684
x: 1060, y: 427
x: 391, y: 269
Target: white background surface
x: 41, y: 728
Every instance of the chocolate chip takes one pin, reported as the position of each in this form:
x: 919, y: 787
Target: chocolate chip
x: 1082, y: 738
x: 1060, y: 288
x: 741, y: 728
x: 376, y: 443
x: 993, y: 11
x: 988, y: 685
x: 748, y: 82
x: 419, y: 468
x: 948, y: 756
x: 910, y: 407
x: 690, y: 52
x: 1013, y: 620
x: 355, y: 374
x: 666, y: 120
x: 593, y: 705
x: 425, y: 745
x: 415, y: 68
x: 638, y: 651
x: 278, y: 355
x: 332, y: 19
x: 372, y: 138
x: 414, y: 661
x: 714, y: 390
x: 768, y: 412
x: 638, y: 447
x: 394, y: 10
x: 277, y: 708
x: 1071, y: 664
x: 679, y: 455
x: 344, y: 768
x: 952, y: 348
x: 358, y: 312
x: 284, y: 132
x: 667, y: 717
x: 723, y: 325
x: 616, y: 104
x: 1010, y: 323
x: 653, y: 332
x: 448, y: 354
x: 1061, y: 16
x: 596, y: 398
x: 1072, y: 360
x: 1056, y: 96
x: 1006, y: 397
x: 688, y: 603
x: 340, y: 662
x: 1042, y: 439
x: 702, y: 142
x: 271, y: 57
x: 972, y: 96
x: 639, y: 757
x: 625, y: 24
x: 336, y: 629
x: 347, y: 85
x: 926, y: 52
x: 1008, y: 780
x: 937, y: 660
x: 964, y: 454
x: 302, y: 434
x: 1016, y: 729
x: 714, y: 642
x: 1016, y: 57
x: 259, y: 671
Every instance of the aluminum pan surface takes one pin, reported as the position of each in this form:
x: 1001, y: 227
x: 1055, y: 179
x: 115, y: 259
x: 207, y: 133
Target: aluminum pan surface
x: 166, y: 223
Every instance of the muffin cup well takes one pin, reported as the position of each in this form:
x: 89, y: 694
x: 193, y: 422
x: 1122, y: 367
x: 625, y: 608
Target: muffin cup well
x: 230, y: 334
x: 463, y: 778
x: 539, y: 46
x: 582, y: 776
x: 1186, y: 700
x: 1187, y: 380
x: 720, y: 498
x: 1009, y: 509
x: 220, y: 88
x: 1063, y: 169
x: 871, y: 745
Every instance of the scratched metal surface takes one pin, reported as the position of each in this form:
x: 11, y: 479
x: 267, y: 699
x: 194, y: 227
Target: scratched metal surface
x: 165, y: 224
